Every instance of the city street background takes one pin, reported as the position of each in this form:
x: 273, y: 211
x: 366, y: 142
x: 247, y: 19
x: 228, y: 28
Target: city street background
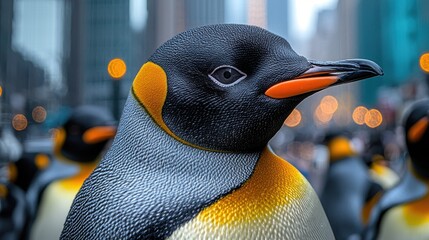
x: 54, y: 53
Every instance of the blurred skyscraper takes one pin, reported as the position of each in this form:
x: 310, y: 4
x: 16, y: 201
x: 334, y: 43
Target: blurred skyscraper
x: 394, y: 34
x: 96, y: 32
x: 22, y: 80
x: 167, y: 18
x: 391, y: 33
x: 6, y: 19
x: 334, y: 39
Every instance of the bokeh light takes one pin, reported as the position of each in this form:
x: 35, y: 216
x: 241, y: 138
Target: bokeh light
x: 41, y: 161
x: 116, y: 68
x: 329, y: 104
x: 39, y: 114
x: 3, y: 191
x: 424, y: 62
x: 358, y: 115
x: 19, y: 122
x: 373, y: 118
x: 294, y: 118
x: 322, y: 117
x: 1, y: 91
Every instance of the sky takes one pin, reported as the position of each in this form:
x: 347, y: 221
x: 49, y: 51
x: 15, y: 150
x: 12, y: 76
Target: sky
x: 304, y: 14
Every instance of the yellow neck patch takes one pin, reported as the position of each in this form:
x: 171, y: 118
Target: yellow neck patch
x: 75, y: 182
x: 367, y: 208
x: 379, y: 168
x: 417, y: 212
x: 274, y: 183
x: 150, y: 90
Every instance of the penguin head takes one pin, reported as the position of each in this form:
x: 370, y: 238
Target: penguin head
x: 340, y: 146
x: 230, y: 87
x: 416, y: 127
x: 85, y: 134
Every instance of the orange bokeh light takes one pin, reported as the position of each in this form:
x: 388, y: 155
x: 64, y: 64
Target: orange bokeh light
x: 321, y: 116
x: 424, y: 62
x: 373, y: 118
x: 358, y: 115
x: 329, y: 104
x: 41, y: 161
x: 116, y: 68
x: 19, y: 122
x: 294, y: 118
x: 39, y: 114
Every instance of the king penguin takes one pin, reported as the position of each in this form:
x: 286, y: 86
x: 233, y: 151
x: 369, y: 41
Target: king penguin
x: 403, y: 211
x: 346, y: 187
x: 78, y: 146
x: 190, y: 159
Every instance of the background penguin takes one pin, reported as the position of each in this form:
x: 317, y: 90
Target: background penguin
x: 379, y: 165
x: 28, y: 167
x: 78, y: 145
x: 347, y: 184
x: 12, y: 198
x: 190, y: 158
x: 403, y: 211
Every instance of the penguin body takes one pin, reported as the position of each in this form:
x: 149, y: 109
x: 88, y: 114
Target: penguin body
x: 402, y: 212
x: 383, y: 224
x: 379, y: 166
x: 346, y: 186
x: 203, y: 96
x: 383, y: 175
x: 190, y: 182
x: 77, y: 148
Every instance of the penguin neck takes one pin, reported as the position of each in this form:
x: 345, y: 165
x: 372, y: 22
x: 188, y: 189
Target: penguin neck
x: 153, y: 148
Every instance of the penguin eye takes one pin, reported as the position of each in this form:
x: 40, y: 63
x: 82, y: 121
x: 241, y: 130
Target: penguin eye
x: 226, y: 76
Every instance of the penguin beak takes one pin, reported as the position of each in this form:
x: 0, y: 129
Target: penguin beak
x: 325, y: 74
x: 98, y: 134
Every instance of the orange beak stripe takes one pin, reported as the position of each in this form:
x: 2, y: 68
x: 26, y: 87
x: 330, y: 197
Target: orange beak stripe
x: 418, y: 129
x: 98, y: 134
x: 300, y: 86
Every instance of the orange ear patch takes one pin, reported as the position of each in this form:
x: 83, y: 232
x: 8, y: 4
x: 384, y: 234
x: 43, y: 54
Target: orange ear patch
x: 98, y: 134
x: 150, y: 90
x: 415, y: 133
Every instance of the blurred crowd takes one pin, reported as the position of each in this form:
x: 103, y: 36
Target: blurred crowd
x: 373, y: 184
x: 39, y: 182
